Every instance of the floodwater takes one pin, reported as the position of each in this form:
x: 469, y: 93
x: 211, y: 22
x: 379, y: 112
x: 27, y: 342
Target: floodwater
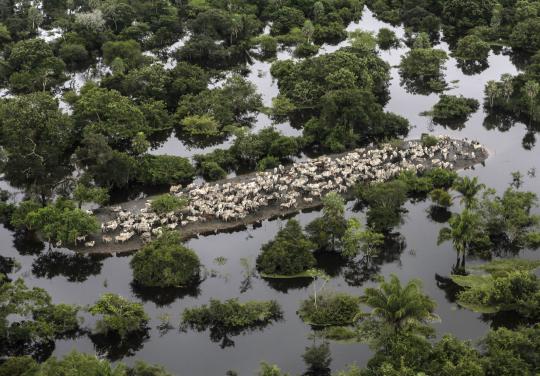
x: 81, y: 280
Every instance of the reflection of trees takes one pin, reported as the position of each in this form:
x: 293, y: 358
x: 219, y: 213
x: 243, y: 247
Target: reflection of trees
x: 164, y: 296
x: 285, y: 284
x: 7, y: 264
x: 27, y: 243
x: 318, y: 359
x: 472, y: 67
x: 439, y: 214
x: 450, y: 288
x: 356, y: 273
x: 114, y: 347
x: 40, y: 350
x: 76, y: 267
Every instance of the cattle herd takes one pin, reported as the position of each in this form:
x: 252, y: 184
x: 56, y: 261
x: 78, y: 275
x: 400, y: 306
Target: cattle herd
x: 288, y: 187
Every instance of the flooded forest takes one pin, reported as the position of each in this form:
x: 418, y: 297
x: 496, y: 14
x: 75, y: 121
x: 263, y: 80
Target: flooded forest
x: 269, y: 187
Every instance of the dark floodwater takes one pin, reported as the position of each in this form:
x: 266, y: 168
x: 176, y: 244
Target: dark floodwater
x: 283, y: 343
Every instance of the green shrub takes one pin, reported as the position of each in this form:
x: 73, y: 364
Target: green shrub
x: 229, y: 318
x: 451, y: 108
x: 167, y: 203
x: 212, y: 171
x: 441, y: 197
x: 330, y: 309
x: 440, y: 177
x: 165, y: 262
x: 118, y: 315
x: 165, y: 169
x: 429, y: 141
x: 289, y: 253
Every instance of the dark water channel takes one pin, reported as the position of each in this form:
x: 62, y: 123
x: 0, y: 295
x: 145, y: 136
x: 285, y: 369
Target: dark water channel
x: 81, y: 280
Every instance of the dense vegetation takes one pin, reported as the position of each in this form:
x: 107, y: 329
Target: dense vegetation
x: 161, y: 69
x: 165, y: 262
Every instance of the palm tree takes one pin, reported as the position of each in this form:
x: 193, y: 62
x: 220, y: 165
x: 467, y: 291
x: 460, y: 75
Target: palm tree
x: 402, y: 309
x: 468, y: 188
x: 464, y: 230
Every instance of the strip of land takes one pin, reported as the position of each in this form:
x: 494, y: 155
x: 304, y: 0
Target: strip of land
x: 233, y: 204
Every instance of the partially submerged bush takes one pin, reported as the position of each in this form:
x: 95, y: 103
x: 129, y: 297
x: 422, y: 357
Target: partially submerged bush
x: 231, y: 317
x: 165, y: 262
x: 330, y: 309
x: 288, y: 254
x: 118, y: 315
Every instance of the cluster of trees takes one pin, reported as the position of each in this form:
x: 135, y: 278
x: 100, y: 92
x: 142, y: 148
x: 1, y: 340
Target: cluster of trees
x: 398, y: 329
x: 338, y: 98
x: 453, y: 111
x: 231, y: 318
x: 77, y: 363
x: 491, y: 225
x: 165, y: 262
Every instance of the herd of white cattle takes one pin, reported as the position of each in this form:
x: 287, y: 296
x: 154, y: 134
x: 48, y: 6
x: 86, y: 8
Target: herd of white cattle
x: 286, y: 187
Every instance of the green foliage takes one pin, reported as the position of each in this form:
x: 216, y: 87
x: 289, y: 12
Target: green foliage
x: 29, y: 320
x: 118, y: 315
x: 32, y: 66
x: 508, y: 286
x: 441, y: 197
x: 471, y: 47
x: 167, y: 202
x: 451, y: 109
x: 326, y: 232
x: 396, y: 309
x: 83, y: 193
x: 37, y: 137
x: 165, y: 262
x: 421, y: 70
x: 510, y: 218
x: 61, y: 221
x: 330, y: 309
x: 110, y: 114
x: 19, y: 366
x: 165, y: 170
x: 356, y: 241
x: 231, y: 317
x: 76, y: 363
x: 387, y: 39
x: 385, y: 201
x: 289, y: 253
x: 468, y: 189
x: 202, y: 125
x: 429, y: 141
x: 513, y: 353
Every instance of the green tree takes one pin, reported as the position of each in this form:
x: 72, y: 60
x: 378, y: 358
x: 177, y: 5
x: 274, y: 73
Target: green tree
x: 326, y: 232
x: 83, y: 193
x: 397, y: 309
x: 110, y: 114
x: 33, y: 67
x: 289, y: 253
x: 37, y: 137
x: 61, y: 221
x: 466, y: 232
x: 385, y: 201
x: 330, y: 309
x: 468, y: 190
x: 167, y: 203
x: 356, y: 241
x: 421, y: 70
x: 118, y: 315
x: 165, y: 262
